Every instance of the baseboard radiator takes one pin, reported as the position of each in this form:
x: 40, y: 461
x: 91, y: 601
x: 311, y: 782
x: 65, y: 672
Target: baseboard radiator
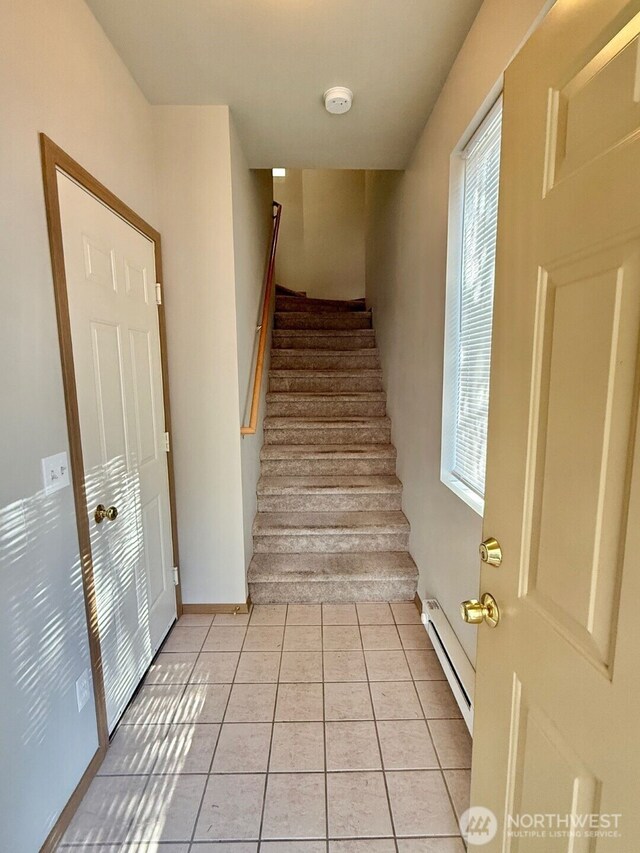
x: 459, y: 671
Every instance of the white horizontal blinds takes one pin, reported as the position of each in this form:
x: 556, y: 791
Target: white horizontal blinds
x: 479, y: 227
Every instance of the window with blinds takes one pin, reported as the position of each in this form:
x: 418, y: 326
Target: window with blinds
x: 469, y: 311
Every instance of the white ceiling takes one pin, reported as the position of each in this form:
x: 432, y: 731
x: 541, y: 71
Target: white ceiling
x: 271, y: 61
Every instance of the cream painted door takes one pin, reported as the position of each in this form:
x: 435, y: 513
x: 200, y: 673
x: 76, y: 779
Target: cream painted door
x: 110, y: 270
x: 558, y: 693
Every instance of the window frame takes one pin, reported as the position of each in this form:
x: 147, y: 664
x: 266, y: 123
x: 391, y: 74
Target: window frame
x: 452, y: 313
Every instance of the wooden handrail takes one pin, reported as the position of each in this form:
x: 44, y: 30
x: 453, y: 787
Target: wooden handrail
x: 252, y: 426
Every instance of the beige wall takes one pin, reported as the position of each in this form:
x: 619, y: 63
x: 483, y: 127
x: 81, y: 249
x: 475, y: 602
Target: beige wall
x: 193, y: 151
x: 322, y: 244
x: 60, y: 75
x: 252, y: 194
x: 406, y: 265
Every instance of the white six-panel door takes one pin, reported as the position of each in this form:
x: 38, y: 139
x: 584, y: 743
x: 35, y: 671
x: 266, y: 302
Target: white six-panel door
x: 110, y: 271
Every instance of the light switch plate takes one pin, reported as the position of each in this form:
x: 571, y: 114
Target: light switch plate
x: 55, y: 472
x: 83, y: 690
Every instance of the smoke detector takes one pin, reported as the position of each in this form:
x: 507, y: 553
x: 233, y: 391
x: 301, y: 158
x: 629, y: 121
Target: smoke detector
x: 338, y: 100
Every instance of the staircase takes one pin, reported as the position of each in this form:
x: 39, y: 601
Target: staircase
x: 330, y: 525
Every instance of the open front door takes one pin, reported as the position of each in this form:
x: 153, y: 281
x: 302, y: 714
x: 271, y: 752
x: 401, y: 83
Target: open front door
x: 556, y: 736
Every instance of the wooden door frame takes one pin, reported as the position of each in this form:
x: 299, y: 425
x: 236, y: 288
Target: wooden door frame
x: 55, y: 160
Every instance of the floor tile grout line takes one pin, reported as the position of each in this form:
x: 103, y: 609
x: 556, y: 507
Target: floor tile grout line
x: 280, y: 840
x: 433, y: 743
x: 169, y: 723
x: 192, y: 847
x: 213, y: 755
x: 375, y: 726
x: 442, y: 773
x: 450, y: 795
x: 273, y: 724
x: 324, y: 734
x: 425, y: 718
x: 290, y: 772
x: 253, y: 722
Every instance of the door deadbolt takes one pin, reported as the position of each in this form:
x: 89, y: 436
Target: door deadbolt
x: 491, y: 552
x: 487, y: 610
x: 103, y: 512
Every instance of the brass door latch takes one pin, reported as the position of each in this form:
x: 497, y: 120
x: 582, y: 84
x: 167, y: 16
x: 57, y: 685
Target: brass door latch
x: 487, y: 610
x: 103, y: 512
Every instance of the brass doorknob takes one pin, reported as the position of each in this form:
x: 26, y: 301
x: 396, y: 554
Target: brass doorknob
x: 491, y: 552
x: 474, y: 611
x: 103, y: 512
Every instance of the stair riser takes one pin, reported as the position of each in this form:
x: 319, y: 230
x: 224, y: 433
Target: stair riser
x: 344, y: 320
x: 329, y: 361
x: 327, y: 409
x: 327, y: 467
x: 329, y: 435
x: 330, y: 503
x: 324, y: 384
x: 332, y: 591
x: 322, y: 543
x: 339, y: 342
x: 317, y: 306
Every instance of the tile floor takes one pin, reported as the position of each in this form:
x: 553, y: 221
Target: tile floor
x: 297, y: 729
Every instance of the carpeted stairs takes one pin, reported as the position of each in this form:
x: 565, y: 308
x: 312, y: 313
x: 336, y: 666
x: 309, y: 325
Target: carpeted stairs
x: 330, y: 526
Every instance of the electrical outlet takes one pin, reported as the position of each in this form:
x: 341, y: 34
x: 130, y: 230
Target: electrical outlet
x: 55, y: 473
x: 83, y: 689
